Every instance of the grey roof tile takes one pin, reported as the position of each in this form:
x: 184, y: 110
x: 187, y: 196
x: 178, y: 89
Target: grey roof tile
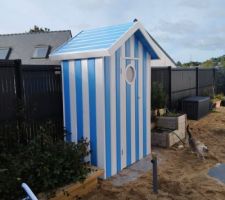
x: 23, y: 44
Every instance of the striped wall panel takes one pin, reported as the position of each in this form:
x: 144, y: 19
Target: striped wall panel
x: 99, y: 104
x: 118, y: 110
x: 123, y: 113
x: 73, y: 107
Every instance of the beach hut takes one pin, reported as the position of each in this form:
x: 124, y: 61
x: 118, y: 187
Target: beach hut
x: 106, y: 93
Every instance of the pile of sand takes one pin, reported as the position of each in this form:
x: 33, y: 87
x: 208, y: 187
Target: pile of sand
x: 181, y: 174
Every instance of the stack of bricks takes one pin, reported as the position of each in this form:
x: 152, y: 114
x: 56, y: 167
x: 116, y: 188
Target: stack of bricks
x: 175, y: 128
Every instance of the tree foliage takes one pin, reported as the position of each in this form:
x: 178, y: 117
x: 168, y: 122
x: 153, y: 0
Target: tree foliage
x: 213, y: 62
x: 159, y: 97
x: 191, y: 64
x: 37, y: 29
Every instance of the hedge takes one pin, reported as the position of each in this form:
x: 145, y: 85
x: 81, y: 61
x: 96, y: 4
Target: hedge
x: 44, y: 164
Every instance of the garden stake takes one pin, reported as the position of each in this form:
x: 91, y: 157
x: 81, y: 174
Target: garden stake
x: 155, y: 175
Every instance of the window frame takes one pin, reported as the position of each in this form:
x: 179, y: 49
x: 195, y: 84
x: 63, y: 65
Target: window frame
x: 42, y: 46
x: 7, y: 53
x: 134, y: 78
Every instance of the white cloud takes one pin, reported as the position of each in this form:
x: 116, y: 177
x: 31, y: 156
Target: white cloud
x: 180, y: 26
x: 197, y: 4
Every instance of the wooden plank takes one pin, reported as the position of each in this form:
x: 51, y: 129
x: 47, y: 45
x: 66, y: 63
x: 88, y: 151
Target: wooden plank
x: 79, y: 189
x: 84, y: 189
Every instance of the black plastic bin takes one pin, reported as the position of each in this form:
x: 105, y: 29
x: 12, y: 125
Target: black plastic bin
x: 196, y: 107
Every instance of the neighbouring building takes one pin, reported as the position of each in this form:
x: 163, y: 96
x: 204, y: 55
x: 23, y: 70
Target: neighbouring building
x: 164, y: 60
x: 32, y: 48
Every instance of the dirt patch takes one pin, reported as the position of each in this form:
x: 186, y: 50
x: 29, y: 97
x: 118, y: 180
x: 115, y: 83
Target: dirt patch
x: 181, y: 175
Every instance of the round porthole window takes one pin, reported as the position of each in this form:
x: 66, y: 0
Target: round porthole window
x: 130, y: 74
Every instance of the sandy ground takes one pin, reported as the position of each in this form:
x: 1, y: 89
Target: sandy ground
x: 181, y: 174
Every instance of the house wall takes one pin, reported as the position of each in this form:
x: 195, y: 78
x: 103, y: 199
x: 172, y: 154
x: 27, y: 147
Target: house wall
x: 99, y: 104
x: 164, y: 59
x: 162, y: 62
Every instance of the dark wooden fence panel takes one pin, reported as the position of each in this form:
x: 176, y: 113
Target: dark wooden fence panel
x: 162, y: 76
x: 36, y: 92
x: 206, y: 82
x: 183, y: 80
x: 42, y: 91
x: 7, y: 93
x: 183, y: 84
x: 220, y: 80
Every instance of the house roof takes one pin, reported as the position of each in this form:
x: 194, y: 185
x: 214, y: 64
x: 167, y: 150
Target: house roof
x: 173, y: 63
x: 102, y: 42
x: 22, y: 45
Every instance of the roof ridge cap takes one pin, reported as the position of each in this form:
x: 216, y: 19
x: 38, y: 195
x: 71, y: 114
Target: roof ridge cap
x: 30, y: 33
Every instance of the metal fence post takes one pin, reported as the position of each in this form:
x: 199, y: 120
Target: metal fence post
x: 214, y: 79
x: 155, y: 173
x: 170, y: 86
x: 18, y: 79
x: 19, y: 101
x: 197, y: 81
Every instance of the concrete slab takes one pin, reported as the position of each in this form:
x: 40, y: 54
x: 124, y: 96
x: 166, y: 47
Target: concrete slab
x: 133, y: 172
x: 218, y: 172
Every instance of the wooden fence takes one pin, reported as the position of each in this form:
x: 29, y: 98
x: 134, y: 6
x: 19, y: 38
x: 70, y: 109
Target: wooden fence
x: 220, y: 80
x: 179, y: 83
x: 30, y: 96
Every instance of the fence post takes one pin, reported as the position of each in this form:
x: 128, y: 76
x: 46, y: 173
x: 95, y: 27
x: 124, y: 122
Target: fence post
x: 154, y: 173
x: 197, y: 81
x: 19, y: 103
x: 18, y: 80
x: 214, y: 80
x: 170, y: 86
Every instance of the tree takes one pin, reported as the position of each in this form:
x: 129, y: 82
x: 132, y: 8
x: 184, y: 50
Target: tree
x: 222, y: 61
x: 191, y: 64
x: 208, y: 64
x: 179, y: 64
x: 37, y: 29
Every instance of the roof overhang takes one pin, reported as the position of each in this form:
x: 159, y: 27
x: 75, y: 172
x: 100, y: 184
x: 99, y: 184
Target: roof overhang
x: 80, y: 55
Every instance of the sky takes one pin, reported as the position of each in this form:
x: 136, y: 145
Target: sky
x: 188, y: 30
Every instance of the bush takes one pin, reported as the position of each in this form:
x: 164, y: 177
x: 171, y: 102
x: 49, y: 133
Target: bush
x: 159, y: 97
x: 219, y: 97
x: 44, y: 164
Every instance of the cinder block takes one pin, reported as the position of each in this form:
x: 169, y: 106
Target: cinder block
x: 176, y: 128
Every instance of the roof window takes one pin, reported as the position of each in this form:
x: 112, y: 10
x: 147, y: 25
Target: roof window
x: 41, y: 52
x: 4, y: 53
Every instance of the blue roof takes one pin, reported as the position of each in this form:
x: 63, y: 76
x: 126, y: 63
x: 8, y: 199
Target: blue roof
x: 94, y: 39
x: 102, y: 42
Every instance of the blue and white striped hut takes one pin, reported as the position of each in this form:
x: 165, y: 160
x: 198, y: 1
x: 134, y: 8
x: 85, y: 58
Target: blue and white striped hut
x: 106, y: 93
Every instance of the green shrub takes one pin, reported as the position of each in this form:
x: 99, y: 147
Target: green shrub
x: 44, y: 164
x: 159, y: 97
x: 219, y: 97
